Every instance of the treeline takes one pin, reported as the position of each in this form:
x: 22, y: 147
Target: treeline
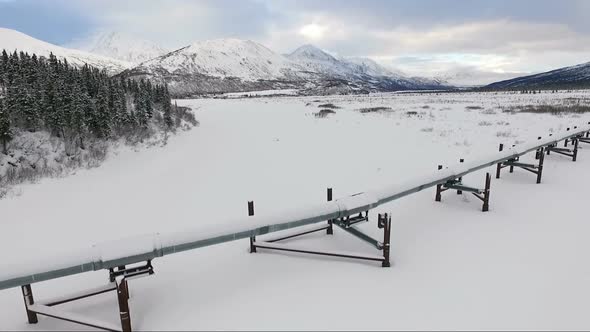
x: 77, y: 104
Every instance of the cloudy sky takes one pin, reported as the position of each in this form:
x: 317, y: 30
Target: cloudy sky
x: 427, y: 37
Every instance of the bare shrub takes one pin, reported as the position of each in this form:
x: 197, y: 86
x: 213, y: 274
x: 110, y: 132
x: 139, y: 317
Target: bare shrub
x: 324, y: 113
x: 505, y: 134
x: 378, y: 109
x: 484, y: 124
x: 330, y: 106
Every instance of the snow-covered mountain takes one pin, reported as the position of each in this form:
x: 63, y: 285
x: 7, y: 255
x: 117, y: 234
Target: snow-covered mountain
x: 233, y: 65
x: 221, y: 65
x: 120, y: 46
x: 362, y: 71
x: 12, y: 40
x: 371, y: 67
x: 574, y: 76
x: 473, y: 77
x: 221, y: 58
x: 314, y: 59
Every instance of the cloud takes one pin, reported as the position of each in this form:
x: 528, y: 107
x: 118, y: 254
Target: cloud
x: 176, y: 23
x: 495, y: 36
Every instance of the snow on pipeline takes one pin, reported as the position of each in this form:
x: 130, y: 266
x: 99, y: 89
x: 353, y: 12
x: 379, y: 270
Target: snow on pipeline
x: 517, y: 266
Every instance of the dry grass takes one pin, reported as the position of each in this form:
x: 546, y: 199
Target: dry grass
x: 378, y: 109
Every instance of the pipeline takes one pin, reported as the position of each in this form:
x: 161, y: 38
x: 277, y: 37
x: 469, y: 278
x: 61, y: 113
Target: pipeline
x: 143, y: 248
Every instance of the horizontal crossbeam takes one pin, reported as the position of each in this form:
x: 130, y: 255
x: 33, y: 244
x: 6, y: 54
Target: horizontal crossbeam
x: 313, y: 230
x: 280, y: 247
x: 355, y: 232
x: 554, y: 149
x: 563, y: 153
x: 71, y: 317
x: 521, y: 165
x: 464, y: 188
x: 81, y: 295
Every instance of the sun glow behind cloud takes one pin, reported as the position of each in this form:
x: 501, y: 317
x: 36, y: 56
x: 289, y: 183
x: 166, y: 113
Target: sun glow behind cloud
x: 313, y: 31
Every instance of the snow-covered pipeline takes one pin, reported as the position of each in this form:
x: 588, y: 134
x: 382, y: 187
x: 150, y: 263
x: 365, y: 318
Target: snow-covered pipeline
x: 137, y: 249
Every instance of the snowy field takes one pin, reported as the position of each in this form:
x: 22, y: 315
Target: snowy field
x: 523, y: 265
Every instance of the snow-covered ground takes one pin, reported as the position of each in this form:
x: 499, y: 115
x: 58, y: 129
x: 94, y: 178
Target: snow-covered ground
x: 523, y: 265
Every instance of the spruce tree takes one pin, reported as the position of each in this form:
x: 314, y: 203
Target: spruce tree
x: 5, y: 130
x: 167, y: 110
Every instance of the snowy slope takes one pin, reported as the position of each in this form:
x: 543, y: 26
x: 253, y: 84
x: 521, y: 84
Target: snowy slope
x: 574, y: 76
x: 12, y: 40
x: 371, y: 67
x: 221, y: 66
x: 120, y: 46
x: 471, y: 77
x: 221, y: 58
x: 363, y: 71
x: 233, y: 65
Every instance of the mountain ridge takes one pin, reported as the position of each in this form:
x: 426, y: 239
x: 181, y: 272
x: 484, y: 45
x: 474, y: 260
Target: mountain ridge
x: 565, y: 77
x: 120, y: 46
x: 12, y: 40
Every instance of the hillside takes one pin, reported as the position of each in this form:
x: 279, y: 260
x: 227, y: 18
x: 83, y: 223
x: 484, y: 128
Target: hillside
x: 233, y: 65
x: 12, y: 40
x: 568, y: 77
x: 120, y: 46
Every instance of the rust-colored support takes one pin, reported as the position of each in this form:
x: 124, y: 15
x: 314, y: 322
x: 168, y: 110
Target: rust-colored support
x: 28, y: 297
x: 384, y: 221
x: 486, y: 193
x: 438, y: 188
x: 499, y: 166
x: 330, y: 229
x: 252, y: 238
x: 460, y: 192
x: 540, y: 168
x: 124, y: 313
x: 125, y: 283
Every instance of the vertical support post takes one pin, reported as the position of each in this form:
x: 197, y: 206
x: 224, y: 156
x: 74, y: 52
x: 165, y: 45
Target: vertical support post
x: 330, y: 229
x: 499, y: 166
x: 565, y: 143
x: 125, y: 283
x: 460, y: 192
x: 384, y: 222
x: 538, y: 150
x: 438, y: 188
x: 28, y: 297
x: 486, y: 194
x: 250, y: 214
x: 575, y: 156
x: 122, y: 296
x: 512, y: 167
x: 540, y: 168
